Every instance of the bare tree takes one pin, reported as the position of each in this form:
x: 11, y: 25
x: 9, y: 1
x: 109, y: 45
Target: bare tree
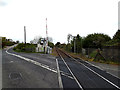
x: 35, y: 40
x: 50, y: 39
x: 69, y: 37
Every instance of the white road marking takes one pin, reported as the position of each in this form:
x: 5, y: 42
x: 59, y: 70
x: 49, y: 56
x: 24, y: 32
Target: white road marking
x: 36, y: 63
x: 71, y: 73
x: 97, y: 73
x: 101, y: 76
x: 67, y: 75
x: 113, y: 75
x: 101, y: 68
x: 59, y: 76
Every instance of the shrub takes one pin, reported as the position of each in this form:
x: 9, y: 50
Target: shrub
x: 25, y: 47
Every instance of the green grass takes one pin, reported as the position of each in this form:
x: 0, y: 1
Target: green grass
x: 26, y: 48
x: 108, y: 62
x: 93, y: 54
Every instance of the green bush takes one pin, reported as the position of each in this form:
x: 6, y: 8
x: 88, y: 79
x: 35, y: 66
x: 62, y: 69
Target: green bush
x: 25, y: 47
x: 93, y: 54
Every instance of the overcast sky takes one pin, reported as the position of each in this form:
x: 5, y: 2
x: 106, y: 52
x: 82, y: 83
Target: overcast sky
x: 64, y: 16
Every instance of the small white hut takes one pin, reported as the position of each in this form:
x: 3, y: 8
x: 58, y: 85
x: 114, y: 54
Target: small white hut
x: 42, y: 47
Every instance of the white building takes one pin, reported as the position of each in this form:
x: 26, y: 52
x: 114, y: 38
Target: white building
x: 43, y: 47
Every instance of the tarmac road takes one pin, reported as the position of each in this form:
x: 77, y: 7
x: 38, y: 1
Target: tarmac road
x: 35, y: 70
x: 18, y: 73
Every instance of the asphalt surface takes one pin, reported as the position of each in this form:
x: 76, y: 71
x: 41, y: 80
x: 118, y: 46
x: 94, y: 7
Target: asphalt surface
x: 112, y: 69
x: 87, y: 75
x: 35, y: 70
x: 0, y: 69
x: 18, y: 73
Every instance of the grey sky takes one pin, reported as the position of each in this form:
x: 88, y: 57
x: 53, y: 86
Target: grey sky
x: 64, y: 16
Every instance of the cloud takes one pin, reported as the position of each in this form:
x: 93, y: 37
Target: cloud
x: 2, y: 3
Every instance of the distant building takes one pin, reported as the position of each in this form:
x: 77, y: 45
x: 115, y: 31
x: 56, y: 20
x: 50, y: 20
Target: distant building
x: 42, y: 46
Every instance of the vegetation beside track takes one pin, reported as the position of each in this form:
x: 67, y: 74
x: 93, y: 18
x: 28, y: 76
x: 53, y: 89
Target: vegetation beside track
x: 28, y: 48
x: 83, y: 57
x: 96, y: 47
x: 54, y: 53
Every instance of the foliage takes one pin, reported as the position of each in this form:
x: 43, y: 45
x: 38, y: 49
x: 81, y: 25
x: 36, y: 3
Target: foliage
x: 7, y: 42
x: 115, y: 41
x: 95, y: 40
x: 25, y: 47
x: 63, y: 45
x: 57, y: 44
x: 69, y: 36
x: 93, y: 54
x: 112, y: 43
x: 117, y: 36
x: 50, y: 44
x: 17, y: 41
x: 68, y: 47
x: 77, y: 43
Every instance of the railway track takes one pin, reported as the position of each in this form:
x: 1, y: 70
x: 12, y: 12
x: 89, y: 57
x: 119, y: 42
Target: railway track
x: 84, y: 74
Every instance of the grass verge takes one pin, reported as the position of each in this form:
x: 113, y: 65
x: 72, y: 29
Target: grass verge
x: 83, y: 57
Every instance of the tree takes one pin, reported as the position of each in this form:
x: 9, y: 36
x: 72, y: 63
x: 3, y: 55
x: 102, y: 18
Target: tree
x: 17, y: 41
x: 50, y: 44
x: 63, y: 45
x: 117, y: 36
x: 115, y: 41
x: 69, y: 36
x: 36, y: 40
x: 7, y: 42
x: 57, y: 44
x: 76, y: 44
x: 3, y: 42
x: 96, y: 40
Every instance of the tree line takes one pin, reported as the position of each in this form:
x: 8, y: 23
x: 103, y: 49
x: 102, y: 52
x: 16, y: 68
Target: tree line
x: 7, y: 42
x: 96, y: 40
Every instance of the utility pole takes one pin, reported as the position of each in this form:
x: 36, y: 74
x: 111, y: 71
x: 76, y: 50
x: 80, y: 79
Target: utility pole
x: 74, y: 44
x: 25, y: 34
x: 81, y: 46
x: 46, y: 36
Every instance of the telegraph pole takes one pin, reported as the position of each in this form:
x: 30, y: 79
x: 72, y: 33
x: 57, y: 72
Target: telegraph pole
x: 25, y: 34
x: 46, y: 32
x: 74, y: 44
x: 46, y: 36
